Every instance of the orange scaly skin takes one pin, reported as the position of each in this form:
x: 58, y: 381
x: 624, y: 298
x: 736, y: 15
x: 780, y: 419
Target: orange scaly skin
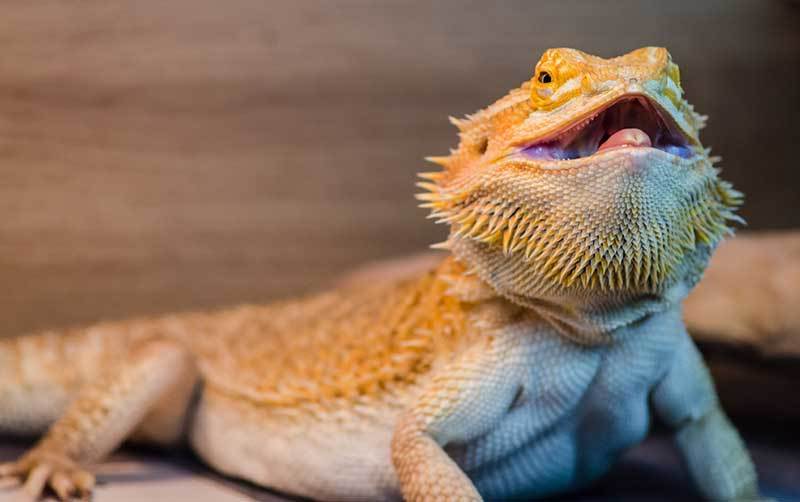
x: 521, y: 366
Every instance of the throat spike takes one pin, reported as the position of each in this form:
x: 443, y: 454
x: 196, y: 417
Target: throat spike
x: 439, y: 160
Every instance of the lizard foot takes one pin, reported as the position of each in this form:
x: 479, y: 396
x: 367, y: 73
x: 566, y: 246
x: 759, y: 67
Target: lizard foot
x: 39, y: 469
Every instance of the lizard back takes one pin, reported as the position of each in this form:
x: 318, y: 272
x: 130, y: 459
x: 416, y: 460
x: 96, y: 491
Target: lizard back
x: 357, y: 343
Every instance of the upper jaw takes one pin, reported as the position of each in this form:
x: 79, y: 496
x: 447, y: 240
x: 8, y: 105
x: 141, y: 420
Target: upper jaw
x: 645, y: 119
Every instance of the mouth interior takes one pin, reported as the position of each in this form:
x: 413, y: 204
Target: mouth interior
x: 629, y: 122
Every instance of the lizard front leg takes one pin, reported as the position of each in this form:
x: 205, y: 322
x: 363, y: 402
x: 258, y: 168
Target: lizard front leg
x: 102, y: 415
x: 461, y: 402
x: 711, y: 447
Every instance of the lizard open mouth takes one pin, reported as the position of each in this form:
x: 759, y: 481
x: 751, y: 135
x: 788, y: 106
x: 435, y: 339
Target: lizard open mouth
x: 633, y: 121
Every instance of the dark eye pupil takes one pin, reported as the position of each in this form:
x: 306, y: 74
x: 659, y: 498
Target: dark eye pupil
x: 545, y: 77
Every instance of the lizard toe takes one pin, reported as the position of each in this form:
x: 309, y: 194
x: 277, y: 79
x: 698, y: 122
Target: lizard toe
x: 37, y: 479
x: 61, y: 483
x: 38, y: 470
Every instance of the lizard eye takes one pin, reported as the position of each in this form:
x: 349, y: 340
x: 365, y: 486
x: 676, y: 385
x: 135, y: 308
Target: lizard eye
x: 544, y: 77
x: 547, y: 78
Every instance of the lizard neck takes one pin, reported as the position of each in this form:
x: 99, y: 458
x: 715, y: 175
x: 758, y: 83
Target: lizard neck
x: 594, y: 324
x: 586, y: 319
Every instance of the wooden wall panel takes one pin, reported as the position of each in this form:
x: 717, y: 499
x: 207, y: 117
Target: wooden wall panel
x: 157, y: 156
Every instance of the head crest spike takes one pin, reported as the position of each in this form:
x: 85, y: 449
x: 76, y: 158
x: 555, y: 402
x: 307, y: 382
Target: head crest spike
x: 459, y: 123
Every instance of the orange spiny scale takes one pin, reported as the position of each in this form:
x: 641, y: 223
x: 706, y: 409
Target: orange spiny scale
x: 507, y: 240
x: 440, y: 160
x: 495, y: 221
x: 478, y: 225
x: 401, y: 324
x: 465, y: 216
x: 570, y: 269
x: 429, y: 197
x: 510, y: 230
x: 426, y: 185
x: 578, y: 271
x: 487, y: 235
x: 522, y: 233
x: 530, y: 249
x: 459, y: 123
x: 526, y: 227
x: 553, y: 262
x: 510, y: 211
x: 493, y: 228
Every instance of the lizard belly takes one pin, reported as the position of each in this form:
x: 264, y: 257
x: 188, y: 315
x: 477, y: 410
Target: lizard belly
x: 314, y: 456
x: 568, y: 456
x: 576, y: 417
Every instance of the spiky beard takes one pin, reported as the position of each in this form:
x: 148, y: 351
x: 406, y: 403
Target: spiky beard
x: 622, y: 227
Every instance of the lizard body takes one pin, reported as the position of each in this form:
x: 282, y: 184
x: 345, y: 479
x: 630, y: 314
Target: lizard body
x: 582, y: 207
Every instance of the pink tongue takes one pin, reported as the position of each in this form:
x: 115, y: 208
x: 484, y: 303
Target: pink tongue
x: 626, y: 137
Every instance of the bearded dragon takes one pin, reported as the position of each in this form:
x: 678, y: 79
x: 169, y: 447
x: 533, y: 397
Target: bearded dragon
x: 582, y: 209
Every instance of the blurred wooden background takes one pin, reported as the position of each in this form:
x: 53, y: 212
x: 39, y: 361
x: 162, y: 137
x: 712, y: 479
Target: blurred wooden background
x: 159, y: 156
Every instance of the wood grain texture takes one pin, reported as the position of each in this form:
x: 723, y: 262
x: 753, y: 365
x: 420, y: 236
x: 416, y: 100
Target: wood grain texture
x: 159, y: 156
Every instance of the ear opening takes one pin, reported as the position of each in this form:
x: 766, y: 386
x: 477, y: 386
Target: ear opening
x: 482, y: 145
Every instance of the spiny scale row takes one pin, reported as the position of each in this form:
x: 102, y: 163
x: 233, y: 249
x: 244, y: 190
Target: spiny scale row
x: 566, y: 251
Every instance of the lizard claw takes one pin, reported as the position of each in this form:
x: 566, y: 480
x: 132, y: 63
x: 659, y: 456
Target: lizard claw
x: 38, y: 470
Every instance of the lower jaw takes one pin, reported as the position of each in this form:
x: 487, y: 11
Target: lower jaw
x: 639, y: 155
x: 589, y: 145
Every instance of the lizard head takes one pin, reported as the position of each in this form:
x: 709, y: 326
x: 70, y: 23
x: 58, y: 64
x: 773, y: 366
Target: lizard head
x: 587, y: 181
